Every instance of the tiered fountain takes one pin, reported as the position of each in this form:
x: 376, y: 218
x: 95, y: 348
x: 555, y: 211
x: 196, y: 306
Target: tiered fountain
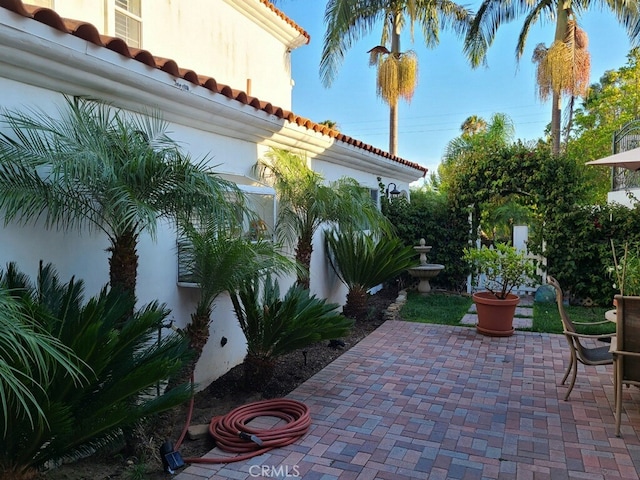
x: 424, y: 271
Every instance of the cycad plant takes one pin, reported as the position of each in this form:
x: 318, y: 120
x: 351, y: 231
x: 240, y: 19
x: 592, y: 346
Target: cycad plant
x: 274, y: 326
x: 363, y: 260
x: 122, y: 366
x: 29, y: 357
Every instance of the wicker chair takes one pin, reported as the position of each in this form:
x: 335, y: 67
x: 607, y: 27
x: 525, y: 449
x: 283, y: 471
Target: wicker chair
x: 626, y: 350
x: 582, y: 349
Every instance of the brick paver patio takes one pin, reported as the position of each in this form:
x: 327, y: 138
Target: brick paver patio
x: 435, y: 402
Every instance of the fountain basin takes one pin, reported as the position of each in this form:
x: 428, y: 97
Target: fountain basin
x: 424, y: 273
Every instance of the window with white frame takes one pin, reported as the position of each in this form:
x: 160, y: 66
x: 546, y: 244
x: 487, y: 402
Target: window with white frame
x: 128, y: 21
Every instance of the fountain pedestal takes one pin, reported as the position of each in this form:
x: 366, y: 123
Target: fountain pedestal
x: 425, y: 271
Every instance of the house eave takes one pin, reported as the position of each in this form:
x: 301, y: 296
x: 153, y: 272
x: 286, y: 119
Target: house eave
x: 274, y: 24
x: 35, y: 54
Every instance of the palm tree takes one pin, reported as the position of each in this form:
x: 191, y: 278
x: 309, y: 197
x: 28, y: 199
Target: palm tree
x: 104, y: 169
x: 473, y: 124
x: 349, y: 20
x: 119, y: 368
x: 499, y: 131
x: 274, y: 326
x: 564, y: 67
x: 219, y: 260
x: 305, y: 203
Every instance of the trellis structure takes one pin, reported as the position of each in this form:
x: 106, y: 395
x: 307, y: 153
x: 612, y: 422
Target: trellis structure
x: 626, y: 138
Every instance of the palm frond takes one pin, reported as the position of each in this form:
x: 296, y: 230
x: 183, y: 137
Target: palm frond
x: 116, y: 368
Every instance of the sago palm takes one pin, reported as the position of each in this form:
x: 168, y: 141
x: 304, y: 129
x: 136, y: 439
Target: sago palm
x: 104, y: 169
x: 305, y: 203
x: 29, y: 357
x: 122, y: 365
x: 564, y: 66
x: 362, y: 261
x: 349, y: 20
x: 274, y: 326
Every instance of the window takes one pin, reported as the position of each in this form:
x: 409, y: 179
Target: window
x: 375, y: 196
x: 261, y: 201
x: 128, y: 17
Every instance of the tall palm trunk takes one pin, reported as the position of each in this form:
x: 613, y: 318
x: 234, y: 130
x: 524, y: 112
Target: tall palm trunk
x: 562, y: 20
x: 556, y: 116
x: 393, y: 107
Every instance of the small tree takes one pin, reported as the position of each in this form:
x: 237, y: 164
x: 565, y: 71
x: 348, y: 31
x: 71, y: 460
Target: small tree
x: 305, y: 203
x: 503, y: 266
x: 104, y: 169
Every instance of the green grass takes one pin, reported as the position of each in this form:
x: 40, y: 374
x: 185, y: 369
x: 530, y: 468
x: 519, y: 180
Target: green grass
x: 547, y: 319
x: 447, y: 309
x: 438, y: 308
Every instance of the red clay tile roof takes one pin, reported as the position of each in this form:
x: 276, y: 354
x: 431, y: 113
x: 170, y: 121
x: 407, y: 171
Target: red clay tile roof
x: 90, y: 33
x: 272, y: 7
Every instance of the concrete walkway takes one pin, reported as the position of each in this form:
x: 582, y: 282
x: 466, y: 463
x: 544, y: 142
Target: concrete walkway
x: 422, y: 401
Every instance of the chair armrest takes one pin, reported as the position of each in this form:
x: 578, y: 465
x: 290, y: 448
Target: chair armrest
x: 624, y: 353
x: 594, y: 336
x: 599, y: 322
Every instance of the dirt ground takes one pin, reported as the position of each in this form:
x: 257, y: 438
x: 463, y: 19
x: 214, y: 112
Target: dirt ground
x: 219, y: 398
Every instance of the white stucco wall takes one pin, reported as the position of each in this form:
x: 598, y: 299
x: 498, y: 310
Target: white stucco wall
x: 212, y: 37
x: 37, y: 63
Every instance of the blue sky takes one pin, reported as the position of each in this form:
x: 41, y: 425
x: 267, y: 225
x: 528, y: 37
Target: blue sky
x: 448, y: 90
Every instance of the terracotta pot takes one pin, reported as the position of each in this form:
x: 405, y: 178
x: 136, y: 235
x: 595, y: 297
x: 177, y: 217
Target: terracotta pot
x: 495, y: 316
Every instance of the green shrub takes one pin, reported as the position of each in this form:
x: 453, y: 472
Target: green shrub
x: 503, y: 267
x: 122, y: 365
x: 363, y: 261
x: 432, y: 216
x: 274, y: 326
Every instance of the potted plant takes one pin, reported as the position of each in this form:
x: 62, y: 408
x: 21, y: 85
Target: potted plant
x: 626, y: 270
x: 501, y: 269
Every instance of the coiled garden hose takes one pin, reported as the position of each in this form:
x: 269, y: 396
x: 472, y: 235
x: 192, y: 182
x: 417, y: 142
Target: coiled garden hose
x: 232, y: 433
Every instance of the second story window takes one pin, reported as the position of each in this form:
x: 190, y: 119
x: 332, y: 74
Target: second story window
x: 128, y: 18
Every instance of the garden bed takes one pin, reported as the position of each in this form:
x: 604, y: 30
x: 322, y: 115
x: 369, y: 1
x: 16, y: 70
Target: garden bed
x: 219, y: 398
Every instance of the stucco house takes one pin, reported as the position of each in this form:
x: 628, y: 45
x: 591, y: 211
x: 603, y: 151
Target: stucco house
x: 219, y: 73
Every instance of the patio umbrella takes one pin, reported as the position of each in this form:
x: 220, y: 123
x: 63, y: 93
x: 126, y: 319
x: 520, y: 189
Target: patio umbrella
x: 628, y: 159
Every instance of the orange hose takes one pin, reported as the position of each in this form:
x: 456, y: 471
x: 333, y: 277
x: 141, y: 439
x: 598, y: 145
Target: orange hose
x: 226, y: 429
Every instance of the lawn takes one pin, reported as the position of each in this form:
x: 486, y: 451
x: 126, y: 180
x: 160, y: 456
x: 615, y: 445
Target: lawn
x: 448, y: 309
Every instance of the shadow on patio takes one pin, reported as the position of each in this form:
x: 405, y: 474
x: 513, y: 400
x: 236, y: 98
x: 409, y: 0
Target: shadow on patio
x: 430, y: 401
